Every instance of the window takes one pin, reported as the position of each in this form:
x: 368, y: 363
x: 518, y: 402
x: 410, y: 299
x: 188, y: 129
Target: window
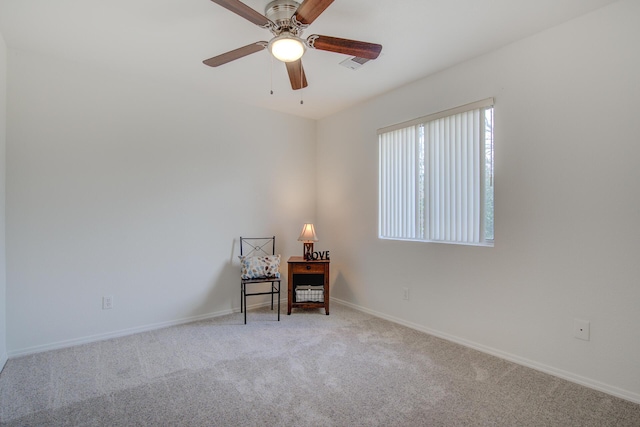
x: 436, y: 177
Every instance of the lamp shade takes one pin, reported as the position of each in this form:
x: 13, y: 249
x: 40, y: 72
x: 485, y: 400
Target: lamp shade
x: 287, y: 48
x: 308, y: 234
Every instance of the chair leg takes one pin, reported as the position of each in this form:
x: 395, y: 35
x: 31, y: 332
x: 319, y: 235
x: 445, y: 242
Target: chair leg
x: 275, y: 290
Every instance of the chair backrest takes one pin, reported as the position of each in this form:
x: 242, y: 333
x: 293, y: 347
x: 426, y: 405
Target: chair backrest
x: 258, y: 246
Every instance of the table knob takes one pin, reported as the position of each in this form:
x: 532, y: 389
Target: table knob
x: 308, y: 267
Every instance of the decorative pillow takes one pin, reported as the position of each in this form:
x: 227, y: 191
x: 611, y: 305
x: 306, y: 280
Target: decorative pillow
x: 260, y: 267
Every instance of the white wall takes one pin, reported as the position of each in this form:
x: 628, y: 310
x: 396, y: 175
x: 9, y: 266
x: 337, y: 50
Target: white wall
x: 3, y: 145
x: 567, y: 206
x: 122, y: 187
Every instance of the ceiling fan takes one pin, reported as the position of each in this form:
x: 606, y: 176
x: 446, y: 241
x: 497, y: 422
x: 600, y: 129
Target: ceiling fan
x: 287, y: 19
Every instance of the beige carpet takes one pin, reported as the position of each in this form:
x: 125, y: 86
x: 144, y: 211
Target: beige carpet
x: 346, y: 369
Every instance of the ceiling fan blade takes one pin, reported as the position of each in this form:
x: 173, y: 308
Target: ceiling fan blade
x: 244, y: 11
x: 346, y: 46
x: 235, y: 54
x: 309, y: 10
x: 296, y: 74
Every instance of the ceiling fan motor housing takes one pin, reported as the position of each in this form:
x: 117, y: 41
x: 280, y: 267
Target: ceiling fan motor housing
x: 287, y: 46
x: 280, y: 13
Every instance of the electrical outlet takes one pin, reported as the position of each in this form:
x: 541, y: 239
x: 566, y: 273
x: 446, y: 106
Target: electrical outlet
x: 405, y: 294
x: 107, y: 303
x: 581, y: 329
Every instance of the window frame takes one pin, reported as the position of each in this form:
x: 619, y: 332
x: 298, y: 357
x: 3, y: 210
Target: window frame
x: 402, y: 221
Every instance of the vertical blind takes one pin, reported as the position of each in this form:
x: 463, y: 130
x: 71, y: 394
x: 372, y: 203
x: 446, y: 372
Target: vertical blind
x: 431, y: 177
x: 453, y: 186
x: 399, y: 184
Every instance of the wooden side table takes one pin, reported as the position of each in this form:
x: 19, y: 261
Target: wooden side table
x: 312, y: 274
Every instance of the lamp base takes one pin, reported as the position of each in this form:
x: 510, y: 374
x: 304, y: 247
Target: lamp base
x: 307, y: 251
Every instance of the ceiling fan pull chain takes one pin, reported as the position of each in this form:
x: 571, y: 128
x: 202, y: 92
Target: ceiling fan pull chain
x: 271, y: 74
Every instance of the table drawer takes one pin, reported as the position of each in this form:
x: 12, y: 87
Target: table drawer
x: 308, y: 267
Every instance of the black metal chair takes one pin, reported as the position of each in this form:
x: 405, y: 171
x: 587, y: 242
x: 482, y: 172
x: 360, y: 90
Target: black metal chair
x: 260, y: 264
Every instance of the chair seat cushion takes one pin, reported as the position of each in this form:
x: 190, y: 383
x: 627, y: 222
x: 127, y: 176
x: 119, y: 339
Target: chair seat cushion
x: 260, y: 267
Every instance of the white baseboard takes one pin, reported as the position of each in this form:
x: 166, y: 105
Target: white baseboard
x: 3, y: 361
x: 130, y: 331
x: 116, y: 334
x: 569, y: 376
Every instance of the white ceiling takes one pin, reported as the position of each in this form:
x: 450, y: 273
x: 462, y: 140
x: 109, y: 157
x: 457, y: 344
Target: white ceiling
x: 167, y: 40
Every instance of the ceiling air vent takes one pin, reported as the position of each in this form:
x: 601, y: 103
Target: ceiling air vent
x: 354, y: 63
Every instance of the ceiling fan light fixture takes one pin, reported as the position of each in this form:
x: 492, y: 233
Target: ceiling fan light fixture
x: 287, y: 48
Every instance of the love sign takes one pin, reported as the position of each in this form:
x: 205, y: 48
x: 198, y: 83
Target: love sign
x: 321, y: 255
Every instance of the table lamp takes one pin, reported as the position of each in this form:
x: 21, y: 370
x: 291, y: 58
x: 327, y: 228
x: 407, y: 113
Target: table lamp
x: 308, y: 236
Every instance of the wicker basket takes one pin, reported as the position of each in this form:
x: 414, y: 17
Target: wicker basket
x: 309, y: 293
